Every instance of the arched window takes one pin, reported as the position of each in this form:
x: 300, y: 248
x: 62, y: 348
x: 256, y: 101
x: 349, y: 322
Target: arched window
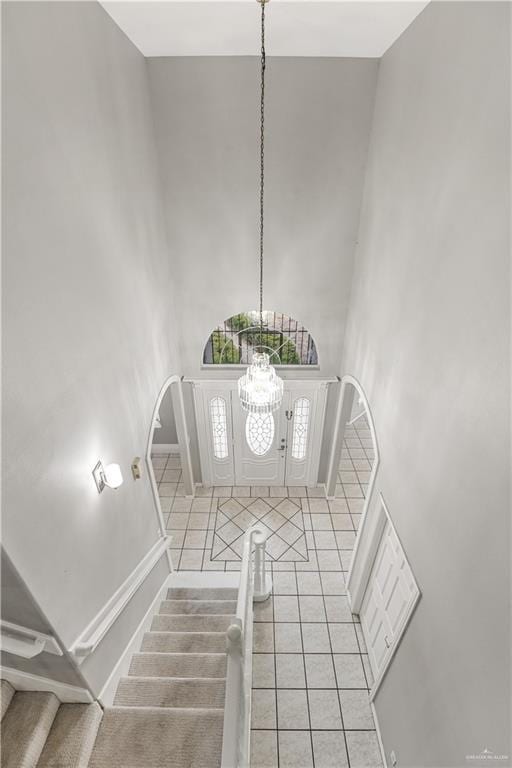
x: 285, y: 339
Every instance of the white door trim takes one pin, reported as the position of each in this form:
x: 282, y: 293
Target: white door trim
x: 360, y: 566
x: 184, y: 448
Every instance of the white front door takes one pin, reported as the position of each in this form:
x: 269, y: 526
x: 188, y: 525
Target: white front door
x: 240, y: 449
x: 260, y: 445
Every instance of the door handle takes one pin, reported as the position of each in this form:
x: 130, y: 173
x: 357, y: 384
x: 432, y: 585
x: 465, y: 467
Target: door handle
x: 282, y: 448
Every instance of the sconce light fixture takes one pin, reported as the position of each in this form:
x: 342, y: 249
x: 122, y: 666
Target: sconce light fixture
x: 110, y: 476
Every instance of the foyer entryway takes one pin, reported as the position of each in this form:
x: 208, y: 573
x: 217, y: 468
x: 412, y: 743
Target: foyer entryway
x: 311, y: 672
x: 271, y: 450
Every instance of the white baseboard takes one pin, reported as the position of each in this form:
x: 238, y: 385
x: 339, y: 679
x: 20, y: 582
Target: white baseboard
x: 165, y: 448
x: 25, y: 681
x: 379, y: 736
x: 108, y: 692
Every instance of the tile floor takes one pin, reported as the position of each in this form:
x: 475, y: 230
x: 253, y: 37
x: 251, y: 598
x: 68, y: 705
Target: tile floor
x: 311, y: 674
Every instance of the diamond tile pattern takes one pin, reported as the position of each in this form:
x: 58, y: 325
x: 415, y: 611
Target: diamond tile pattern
x: 282, y: 518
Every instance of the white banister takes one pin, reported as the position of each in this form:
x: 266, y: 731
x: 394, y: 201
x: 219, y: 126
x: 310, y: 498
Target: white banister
x: 93, y: 634
x: 255, y: 585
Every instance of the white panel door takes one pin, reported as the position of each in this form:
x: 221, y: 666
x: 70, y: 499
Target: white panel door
x: 215, y: 432
x: 259, y: 445
x: 388, y: 601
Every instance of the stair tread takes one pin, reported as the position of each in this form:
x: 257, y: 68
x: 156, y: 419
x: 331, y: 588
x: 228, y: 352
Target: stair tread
x: 184, y: 642
x: 26, y: 726
x: 198, y: 606
x: 160, y: 664
x: 190, y: 622
x: 6, y: 694
x: 157, y: 737
x: 72, y: 736
x: 203, y: 593
x: 175, y: 692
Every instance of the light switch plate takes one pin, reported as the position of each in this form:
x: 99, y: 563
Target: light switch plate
x: 98, y: 475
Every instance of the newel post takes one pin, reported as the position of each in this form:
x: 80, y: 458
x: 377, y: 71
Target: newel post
x: 262, y: 579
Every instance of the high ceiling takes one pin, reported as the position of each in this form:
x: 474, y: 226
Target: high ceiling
x: 231, y: 27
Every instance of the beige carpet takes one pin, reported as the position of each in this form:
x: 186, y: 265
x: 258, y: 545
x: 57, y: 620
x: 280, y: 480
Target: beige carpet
x: 169, y: 710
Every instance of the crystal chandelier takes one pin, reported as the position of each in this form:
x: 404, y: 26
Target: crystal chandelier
x: 261, y: 389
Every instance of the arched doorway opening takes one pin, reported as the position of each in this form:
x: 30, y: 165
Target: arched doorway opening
x: 167, y: 457
x: 354, y: 462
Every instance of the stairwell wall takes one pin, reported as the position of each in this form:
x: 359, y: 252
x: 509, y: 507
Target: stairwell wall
x: 428, y: 337
x: 87, y: 310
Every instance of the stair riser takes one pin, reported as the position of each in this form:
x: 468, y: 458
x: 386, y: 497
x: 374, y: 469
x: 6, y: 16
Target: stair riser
x: 72, y: 736
x: 199, y: 593
x: 163, y: 692
x: 183, y: 623
x: 176, y: 665
x: 198, y: 606
x: 184, y: 642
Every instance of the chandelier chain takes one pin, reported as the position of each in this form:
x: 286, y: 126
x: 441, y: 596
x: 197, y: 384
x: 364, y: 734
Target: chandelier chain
x: 262, y: 159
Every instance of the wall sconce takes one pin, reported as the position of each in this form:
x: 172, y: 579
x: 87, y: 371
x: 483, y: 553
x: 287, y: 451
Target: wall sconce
x: 110, y: 476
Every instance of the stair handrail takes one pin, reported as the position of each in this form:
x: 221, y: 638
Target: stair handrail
x: 26, y: 642
x: 255, y: 586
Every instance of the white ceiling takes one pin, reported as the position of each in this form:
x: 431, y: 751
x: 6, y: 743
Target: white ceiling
x: 294, y: 27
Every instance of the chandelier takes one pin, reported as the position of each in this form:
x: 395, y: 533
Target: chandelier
x: 260, y: 389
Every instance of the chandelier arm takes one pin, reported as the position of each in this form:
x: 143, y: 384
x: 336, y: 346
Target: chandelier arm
x: 262, y: 159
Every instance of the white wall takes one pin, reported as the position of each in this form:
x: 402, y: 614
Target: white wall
x: 87, y: 305
x: 318, y: 115
x: 167, y: 432
x: 428, y: 337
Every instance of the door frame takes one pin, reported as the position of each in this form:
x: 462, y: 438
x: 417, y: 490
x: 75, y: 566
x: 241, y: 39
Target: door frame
x: 361, y: 563
x: 230, y: 385
x: 183, y: 446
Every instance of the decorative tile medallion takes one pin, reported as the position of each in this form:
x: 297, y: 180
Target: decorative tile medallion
x: 281, y: 519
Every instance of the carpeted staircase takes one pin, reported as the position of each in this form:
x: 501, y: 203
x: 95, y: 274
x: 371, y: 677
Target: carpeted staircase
x: 167, y: 713
x: 39, y: 732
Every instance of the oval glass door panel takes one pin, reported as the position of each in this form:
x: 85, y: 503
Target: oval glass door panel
x: 259, y: 432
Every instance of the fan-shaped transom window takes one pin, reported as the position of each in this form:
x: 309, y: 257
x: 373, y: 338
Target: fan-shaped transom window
x: 301, y: 410
x: 285, y: 340
x: 219, y: 424
x: 259, y: 432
